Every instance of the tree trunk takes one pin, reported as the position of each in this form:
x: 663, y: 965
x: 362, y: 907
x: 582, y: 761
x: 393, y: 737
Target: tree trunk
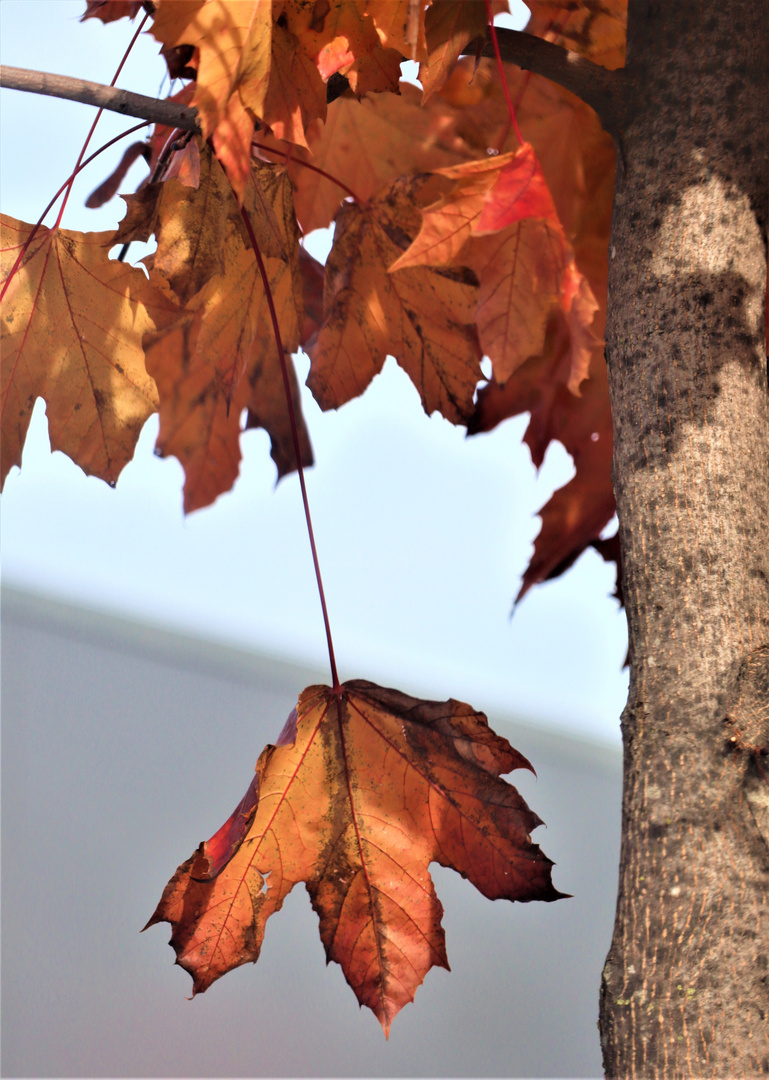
x: 685, y: 990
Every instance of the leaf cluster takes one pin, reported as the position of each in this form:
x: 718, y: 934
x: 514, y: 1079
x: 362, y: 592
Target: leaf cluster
x: 471, y: 220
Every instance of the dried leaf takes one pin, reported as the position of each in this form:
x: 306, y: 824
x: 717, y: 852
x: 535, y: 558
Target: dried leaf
x: 110, y: 10
x: 364, y: 790
x: 72, y: 326
x: 216, y: 355
x: 578, y: 512
x: 400, y: 25
x: 500, y: 221
x: 421, y: 316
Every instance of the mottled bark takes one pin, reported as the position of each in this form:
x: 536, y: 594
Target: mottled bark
x: 685, y: 990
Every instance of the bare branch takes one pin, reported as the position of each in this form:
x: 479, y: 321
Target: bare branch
x: 104, y: 97
x: 601, y: 89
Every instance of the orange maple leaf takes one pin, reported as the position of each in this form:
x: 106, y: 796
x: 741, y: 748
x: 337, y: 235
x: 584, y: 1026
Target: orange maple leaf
x: 576, y: 513
x: 234, y: 43
x: 72, y: 327
x: 422, y: 316
x: 577, y: 161
x: 215, y: 354
x: 296, y: 94
x: 363, y: 143
x: 363, y: 790
x: 499, y: 219
x: 400, y: 25
x: 449, y: 26
x: 338, y: 36
x: 597, y: 30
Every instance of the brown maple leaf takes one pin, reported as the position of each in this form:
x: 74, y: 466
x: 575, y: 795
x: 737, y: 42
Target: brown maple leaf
x: 449, y: 26
x: 597, y: 30
x: 422, y: 316
x: 296, y: 94
x: 215, y: 355
x: 364, y: 789
x: 110, y: 10
x: 72, y: 327
x: 339, y: 37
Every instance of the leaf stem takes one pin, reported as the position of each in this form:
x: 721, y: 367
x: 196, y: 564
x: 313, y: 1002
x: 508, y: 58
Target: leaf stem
x: 498, y: 55
x: 295, y: 437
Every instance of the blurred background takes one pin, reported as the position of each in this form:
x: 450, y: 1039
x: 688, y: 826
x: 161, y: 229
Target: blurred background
x: 147, y: 658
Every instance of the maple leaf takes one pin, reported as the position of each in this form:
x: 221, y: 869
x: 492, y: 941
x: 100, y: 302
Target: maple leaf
x: 110, y: 10
x: 363, y: 144
x: 339, y: 37
x: 296, y: 94
x: 422, y: 316
x: 500, y: 221
x: 400, y: 25
x: 578, y: 512
x: 577, y: 162
x: 233, y: 39
x: 72, y: 327
x: 596, y: 30
x: 363, y: 790
x: 215, y: 355
x: 449, y: 26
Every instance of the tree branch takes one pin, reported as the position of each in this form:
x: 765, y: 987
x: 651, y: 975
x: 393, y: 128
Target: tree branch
x: 170, y: 113
x: 601, y: 89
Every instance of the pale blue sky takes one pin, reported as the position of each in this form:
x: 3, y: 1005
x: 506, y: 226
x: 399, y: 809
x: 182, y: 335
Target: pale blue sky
x: 423, y: 534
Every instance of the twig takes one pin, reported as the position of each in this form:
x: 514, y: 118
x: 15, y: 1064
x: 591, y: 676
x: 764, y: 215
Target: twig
x: 601, y: 89
x: 170, y: 113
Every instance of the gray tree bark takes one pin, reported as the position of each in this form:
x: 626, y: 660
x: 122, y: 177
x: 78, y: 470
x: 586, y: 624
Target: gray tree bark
x: 685, y: 991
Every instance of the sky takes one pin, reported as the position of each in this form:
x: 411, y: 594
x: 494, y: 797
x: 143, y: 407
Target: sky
x: 423, y: 534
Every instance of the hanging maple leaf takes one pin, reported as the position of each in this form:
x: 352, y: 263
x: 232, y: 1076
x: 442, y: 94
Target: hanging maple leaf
x: 215, y: 354
x: 577, y: 162
x: 500, y: 221
x: 597, y: 30
x: 72, y: 327
x: 296, y: 94
x: 362, y: 143
x: 423, y: 317
x: 577, y: 513
x: 363, y: 790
